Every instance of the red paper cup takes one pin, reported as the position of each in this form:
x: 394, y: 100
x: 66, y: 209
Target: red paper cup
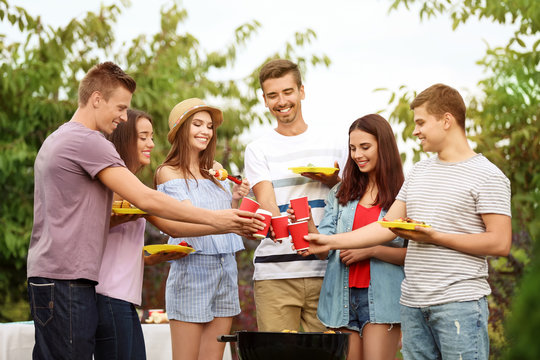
x: 151, y: 311
x: 250, y: 205
x: 298, y: 230
x: 279, y: 224
x: 261, y: 234
x: 300, y: 207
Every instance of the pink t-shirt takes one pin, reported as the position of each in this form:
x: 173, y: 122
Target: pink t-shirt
x: 72, y: 207
x: 122, y: 268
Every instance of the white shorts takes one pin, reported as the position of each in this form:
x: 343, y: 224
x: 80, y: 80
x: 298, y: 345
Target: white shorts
x: 201, y: 287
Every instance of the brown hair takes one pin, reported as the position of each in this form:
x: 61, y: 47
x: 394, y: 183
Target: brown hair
x: 441, y: 99
x: 278, y: 68
x: 105, y: 78
x: 388, y: 172
x: 179, y: 157
x: 125, y: 136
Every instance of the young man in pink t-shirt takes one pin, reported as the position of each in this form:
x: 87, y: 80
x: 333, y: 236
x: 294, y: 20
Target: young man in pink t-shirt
x: 76, y: 172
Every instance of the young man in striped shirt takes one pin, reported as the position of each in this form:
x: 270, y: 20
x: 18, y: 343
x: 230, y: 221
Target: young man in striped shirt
x: 466, y: 200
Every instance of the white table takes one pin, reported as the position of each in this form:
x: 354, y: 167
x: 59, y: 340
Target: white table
x: 17, y: 341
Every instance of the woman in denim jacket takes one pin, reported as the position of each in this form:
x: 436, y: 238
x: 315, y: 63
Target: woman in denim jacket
x: 361, y: 288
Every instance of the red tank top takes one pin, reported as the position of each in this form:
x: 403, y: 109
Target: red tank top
x: 359, y: 272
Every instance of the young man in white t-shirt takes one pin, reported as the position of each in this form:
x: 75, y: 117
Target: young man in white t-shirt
x: 466, y: 200
x: 287, y: 285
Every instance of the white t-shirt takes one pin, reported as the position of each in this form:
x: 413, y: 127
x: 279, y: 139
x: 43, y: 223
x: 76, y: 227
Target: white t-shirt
x: 269, y: 159
x: 451, y: 197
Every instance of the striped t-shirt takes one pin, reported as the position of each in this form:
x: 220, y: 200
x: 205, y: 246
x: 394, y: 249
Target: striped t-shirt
x: 269, y: 159
x: 451, y: 197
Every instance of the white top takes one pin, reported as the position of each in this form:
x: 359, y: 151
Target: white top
x: 451, y: 197
x: 269, y: 159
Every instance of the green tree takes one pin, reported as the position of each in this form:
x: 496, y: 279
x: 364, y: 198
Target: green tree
x: 39, y: 79
x: 503, y: 124
x: 523, y: 323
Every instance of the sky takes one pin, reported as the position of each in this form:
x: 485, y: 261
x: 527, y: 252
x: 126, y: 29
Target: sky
x: 369, y: 47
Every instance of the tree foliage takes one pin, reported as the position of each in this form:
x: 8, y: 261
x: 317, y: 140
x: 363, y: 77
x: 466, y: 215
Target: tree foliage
x: 503, y: 124
x: 39, y: 79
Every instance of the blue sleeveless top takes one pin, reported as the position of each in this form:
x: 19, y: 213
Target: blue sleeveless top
x: 205, y: 194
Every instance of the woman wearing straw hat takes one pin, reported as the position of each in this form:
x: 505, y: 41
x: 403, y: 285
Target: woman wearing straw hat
x: 202, y: 289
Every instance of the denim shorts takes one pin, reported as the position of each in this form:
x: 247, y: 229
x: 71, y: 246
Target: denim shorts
x: 201, y: 287
x: 358, y: 309
x: 457, y: 330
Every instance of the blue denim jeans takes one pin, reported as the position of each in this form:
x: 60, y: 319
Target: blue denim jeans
x: 457, y: 330
x: 65, y: 318
x: 119, y: 334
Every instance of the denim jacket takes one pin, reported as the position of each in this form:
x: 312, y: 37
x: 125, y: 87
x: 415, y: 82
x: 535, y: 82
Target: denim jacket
x: 385, y: 278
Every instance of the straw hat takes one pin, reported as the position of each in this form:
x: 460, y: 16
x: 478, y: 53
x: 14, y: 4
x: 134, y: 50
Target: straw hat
x: 185, y: 109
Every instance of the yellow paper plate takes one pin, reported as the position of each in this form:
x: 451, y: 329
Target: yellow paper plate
x: 313, y: 169
x: 128, y: 211
x: 152, y: 249
x: 401, y: 225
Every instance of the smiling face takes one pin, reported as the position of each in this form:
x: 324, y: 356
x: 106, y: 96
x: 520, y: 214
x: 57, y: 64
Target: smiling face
x: 201, y: 131
x: 364, y: 150
x: 429, y: 129
x: 283, y: 98
x: 109, y: 113
x: 145, y: 140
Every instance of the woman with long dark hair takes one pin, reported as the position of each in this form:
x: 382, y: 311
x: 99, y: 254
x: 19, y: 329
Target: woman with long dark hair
x: 361, y: 287
x: 119, y: 333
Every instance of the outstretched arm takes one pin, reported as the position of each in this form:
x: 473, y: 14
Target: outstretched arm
x: 129, y: 187
x: 179, y: 229
x: 367, y: 236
